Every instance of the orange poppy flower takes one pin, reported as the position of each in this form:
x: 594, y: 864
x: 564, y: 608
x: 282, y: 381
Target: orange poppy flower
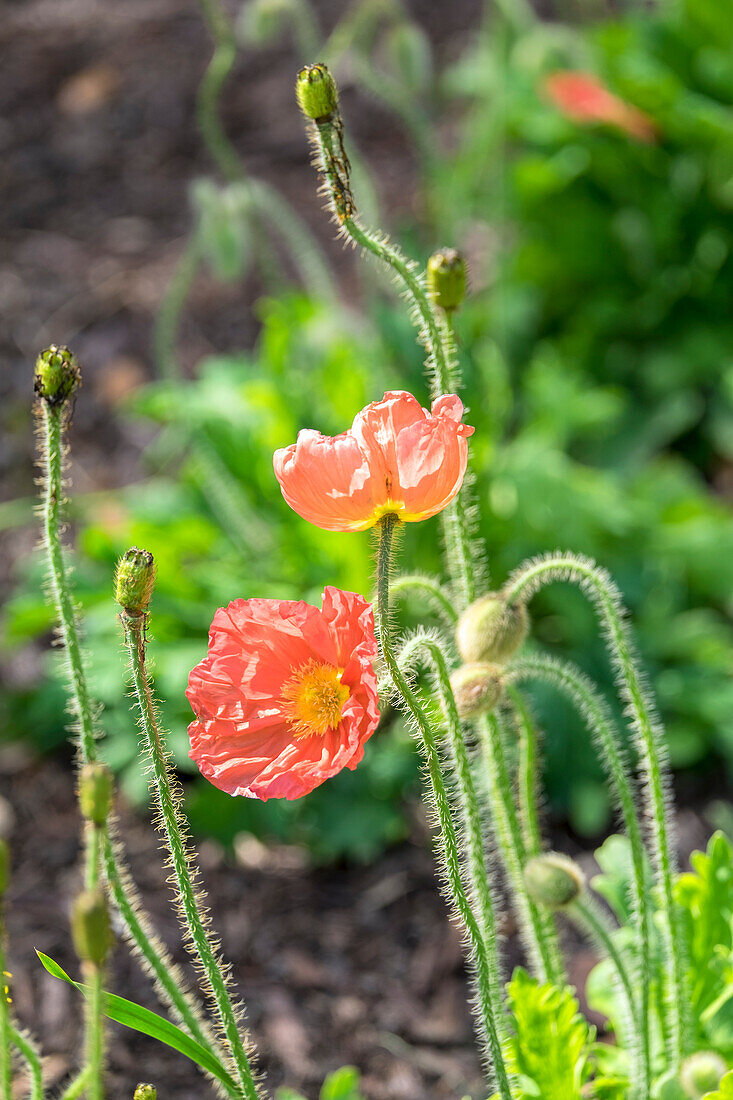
x: 396, y: 458
x: 582, y: 97
x: 286, y: 696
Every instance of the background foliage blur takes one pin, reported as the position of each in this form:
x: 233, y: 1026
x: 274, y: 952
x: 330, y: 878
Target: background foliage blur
x: 597, y: 350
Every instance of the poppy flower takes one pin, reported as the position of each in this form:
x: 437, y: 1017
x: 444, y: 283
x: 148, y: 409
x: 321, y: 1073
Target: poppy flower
x: 583, y: 98
x: 286, y: 696
x: 396, y: 458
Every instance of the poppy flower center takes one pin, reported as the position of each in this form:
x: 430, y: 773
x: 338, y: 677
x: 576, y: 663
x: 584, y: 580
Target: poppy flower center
x: 314, y: 698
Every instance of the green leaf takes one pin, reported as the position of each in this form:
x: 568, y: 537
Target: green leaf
x: 705, y: 897
x: 550, y: 1046
x: 149, y: 1023
x: 725, y: 1092
x: 342, y: 1085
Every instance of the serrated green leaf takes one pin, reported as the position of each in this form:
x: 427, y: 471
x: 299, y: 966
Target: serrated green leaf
x: 149, y: 1023
x: 725, y: 1092
x: 705, y: 897
x: 550, y: 1046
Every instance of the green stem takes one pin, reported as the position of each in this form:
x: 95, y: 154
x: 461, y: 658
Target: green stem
x: 539, y: 939
x: 527, y: 774
x: 582, y: 693
x: 77, y: 1087
x: 168, y: 319
x: 210, y: 89
x: 214, y: 973
x: 126, y: 897
x: 92, y: 843
x: 94, y: 1033
x: 6, y: 1028
x: 593, y: 921
x: 449, y: 839
x: 606, y: 599
x: 431, y: 590
x: 32, y: 1059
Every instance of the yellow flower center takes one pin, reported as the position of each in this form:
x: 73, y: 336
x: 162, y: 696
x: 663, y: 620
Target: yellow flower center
x: 314, y: 698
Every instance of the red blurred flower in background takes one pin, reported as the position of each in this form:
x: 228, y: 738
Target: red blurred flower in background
x: 396, y: 458
x: 286, y: 696
x: 582, y: 97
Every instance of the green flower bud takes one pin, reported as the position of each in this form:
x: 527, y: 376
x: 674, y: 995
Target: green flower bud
x: 701, y: 1073
x: 134, y: 580
x: 145, y: 1092
x: 491, y: 629
x: 447, y: 278
x: 553, y: 880
x: 4, y: 866
x: 477, y: 689
x: 91, y: 930
x: 316, y: 92
x: 95, y: 793
x: 57, y: 375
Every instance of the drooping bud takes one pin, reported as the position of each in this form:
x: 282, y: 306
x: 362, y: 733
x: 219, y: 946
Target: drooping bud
x: 476, y: 688
x: 91, y: 930
x: 145, y: 1092
x: 57, y: 375
x: 553, y: 880
x: 95, y: 793
x: 134, y: 580
x: 701, y: 1073
x: 316, y: 92
x: 491, y: 629
x: 4, y: 866
x: 446, y: 276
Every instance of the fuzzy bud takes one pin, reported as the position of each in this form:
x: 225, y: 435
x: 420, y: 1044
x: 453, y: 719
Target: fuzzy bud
x: 477, y: 689
x: 95, y: 793
x: 701, y: 1073
x: 446, y: 276
x: 4, y: 866
x: 134, y: 580
x: 491, y: 629
x: 57, y: 375
x: 553, y: 880
x: 316, y: 92
x: 145, y: 1092
x: 91, y: 930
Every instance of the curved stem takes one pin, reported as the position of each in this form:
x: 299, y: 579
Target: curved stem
x: 77, y: 1087
x: 210, y: 89
x: 606, y: 599
x: 442, y: 805
x: 539, y: 939
x: 214, y: 973
x: 432, y: 592
x: 32, y: 1059
x: 583, y: 694
x: 527, y: 773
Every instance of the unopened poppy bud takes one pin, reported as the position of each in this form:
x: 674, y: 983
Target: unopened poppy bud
x: 476, y: 688
x: 95, y: 793
x: 447, y: 278
x: 4, y: 866
x: 553, y: 880
x: 316, y: 92
x: 57, y: 375
x: 145, y: 1092
x: 91, y: 930
x: 134, y: 580
x: 491, y: 629
x: 701, y: 1073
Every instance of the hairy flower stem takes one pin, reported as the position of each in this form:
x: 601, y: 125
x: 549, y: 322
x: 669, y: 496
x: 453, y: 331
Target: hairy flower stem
x: 123, y: 892
x: 77, y: 1087
x: 431, y: 591
x: 94, y: 1039
x: 449, y: 838
x: 32, y: 1059
x: 583, y: 694
x: 606, y: 599
x: 215, y: 974
x: 6, y: 1027
x: 540, y: 940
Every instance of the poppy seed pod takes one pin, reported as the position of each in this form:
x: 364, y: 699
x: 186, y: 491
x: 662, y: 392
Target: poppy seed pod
x: 446, y: 276
x: 553, y: 880
x: 145, y: 1092
x: 315, y: 90
x: 134, y: 580
x: 4, y: 866
x: 91, y: 930
x: 701, y: 1073
x: 95, y: 793
x: 491, y: 629
x: 476, y: 688
x: 57, y: 375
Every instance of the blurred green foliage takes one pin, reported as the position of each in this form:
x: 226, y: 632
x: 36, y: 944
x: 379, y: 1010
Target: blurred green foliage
x: 597, y: 353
